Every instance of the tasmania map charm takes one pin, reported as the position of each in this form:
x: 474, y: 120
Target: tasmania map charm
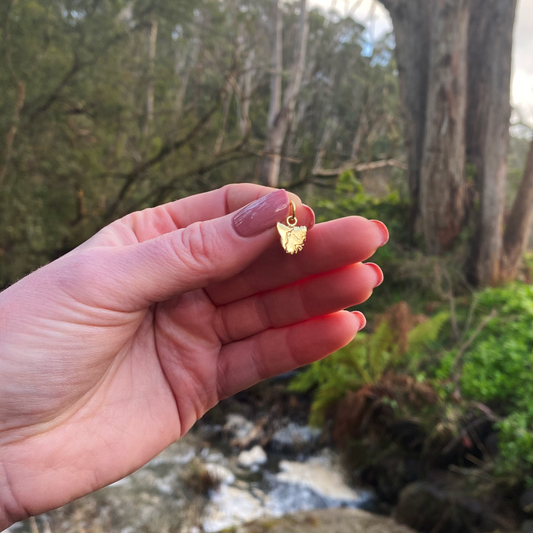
x: 292, y: 236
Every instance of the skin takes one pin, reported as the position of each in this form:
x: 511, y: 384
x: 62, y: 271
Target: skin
x: 112, y: 352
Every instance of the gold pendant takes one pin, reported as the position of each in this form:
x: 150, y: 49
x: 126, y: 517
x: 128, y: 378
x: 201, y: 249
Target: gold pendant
x: 292, y: 236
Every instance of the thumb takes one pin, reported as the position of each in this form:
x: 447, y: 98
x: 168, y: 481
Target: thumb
x: 193, y: 257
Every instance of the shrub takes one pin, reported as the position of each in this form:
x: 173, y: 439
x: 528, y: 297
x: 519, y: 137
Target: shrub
x: 498, y: 370
x: 367, y: 359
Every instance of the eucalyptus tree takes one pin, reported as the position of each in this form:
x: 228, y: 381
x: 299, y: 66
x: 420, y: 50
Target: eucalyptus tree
x: 454, y: 61
x: 113, y: 105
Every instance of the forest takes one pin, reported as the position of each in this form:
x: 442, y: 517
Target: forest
x: 112, y: 106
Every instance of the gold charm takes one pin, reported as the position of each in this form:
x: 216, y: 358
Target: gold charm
x: 292, y: 236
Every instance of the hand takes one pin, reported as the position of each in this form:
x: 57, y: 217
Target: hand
x: 112, y: 352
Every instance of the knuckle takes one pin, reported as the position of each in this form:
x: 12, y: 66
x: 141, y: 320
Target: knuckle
x: 197, y: 246
x: 259, y: 361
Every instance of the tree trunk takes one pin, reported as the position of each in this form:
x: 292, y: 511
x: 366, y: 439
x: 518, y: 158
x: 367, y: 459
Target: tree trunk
x: 268, y: 174
x: 280, y: 123
x: 246, y: 93
x: 518, y: 228
x: 487, y: 126
x: 150, y: 89
x: 184, y: 70
x: 442, y: 174
x: 431, y: 36
x: 411, y: 20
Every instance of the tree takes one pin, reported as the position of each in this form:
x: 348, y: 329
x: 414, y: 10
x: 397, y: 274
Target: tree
x: 454, y: 60
x: 107, y: 107
x: 281, y: 113
x: 487, y: 133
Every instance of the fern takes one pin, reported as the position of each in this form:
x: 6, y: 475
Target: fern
x: 427, y: 332
x: 363, y: 362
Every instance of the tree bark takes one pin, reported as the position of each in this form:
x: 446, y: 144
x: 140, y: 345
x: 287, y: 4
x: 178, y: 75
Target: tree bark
x: 151, y: 86
x: 518, y: 228
x: 411, y: 20
x: 185, y: 69
x: 279, y: 123
x: 246, y: 93
x: 277, y: 64
x: 487, y: 126
x: 268, y: 173
x: 442, y: 173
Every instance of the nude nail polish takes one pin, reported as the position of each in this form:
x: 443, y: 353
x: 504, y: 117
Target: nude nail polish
x: 262, y: 214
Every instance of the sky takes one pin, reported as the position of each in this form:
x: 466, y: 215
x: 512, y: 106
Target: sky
x: 522, y: 84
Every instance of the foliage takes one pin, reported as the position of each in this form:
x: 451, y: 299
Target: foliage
x: 86, y: 149
x: 351, y: 199
x: 498, y: 370
x: 364, y: 362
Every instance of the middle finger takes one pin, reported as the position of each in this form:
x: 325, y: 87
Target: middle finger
x: 310, y: 298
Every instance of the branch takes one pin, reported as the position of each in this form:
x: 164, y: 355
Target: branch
x: 358, y: 167
x: 264, y: 153
x: 229, y: 155
x: 516, y: 236
x: 480, y: 327
x: 54, y: 95
x: 76, y: 67
x: 165, y: 150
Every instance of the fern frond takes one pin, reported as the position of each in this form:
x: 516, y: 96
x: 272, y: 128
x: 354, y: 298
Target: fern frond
x: 427, y: 332
x: 323, y: 399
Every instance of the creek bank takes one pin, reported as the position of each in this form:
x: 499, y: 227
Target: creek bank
x: 216, y: 477
x: 326, y: 521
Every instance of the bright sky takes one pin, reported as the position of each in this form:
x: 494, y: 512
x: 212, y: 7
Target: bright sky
x: 522, y: 88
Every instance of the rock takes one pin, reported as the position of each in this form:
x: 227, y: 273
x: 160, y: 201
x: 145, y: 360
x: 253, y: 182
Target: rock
x: 321, y: 478
x: 220, y: 473
x: 527, y: 526
x: 432, y: 509
x: 390, y: 475
x: 253, y: 457
x: 237, y: 427
x: 230, y: 507
x: 526, y: 501
x: 326, y: 521
x: 294, y: 438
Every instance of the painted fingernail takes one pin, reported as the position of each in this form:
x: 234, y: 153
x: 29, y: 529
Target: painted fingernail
x: 378, y: 272
x: 309, y: 216
x: 262, y: 214
x: 361, y: 318
x: 383, y: 230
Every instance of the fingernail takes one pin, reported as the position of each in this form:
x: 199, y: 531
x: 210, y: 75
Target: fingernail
x: 262, y: 214
x: 383, y: 230
x: 310, y: 216
x: 362, y: 319
x: 378, y: 272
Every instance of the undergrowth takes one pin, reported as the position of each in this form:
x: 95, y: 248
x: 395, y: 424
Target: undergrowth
x: 366, y: 360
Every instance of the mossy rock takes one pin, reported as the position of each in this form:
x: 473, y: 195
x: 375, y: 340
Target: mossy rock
x: 326, y: 521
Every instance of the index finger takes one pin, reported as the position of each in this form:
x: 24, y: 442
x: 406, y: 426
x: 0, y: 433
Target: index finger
x: 154, y: 222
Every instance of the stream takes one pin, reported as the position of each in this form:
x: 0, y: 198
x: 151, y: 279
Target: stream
x: 292, y: 474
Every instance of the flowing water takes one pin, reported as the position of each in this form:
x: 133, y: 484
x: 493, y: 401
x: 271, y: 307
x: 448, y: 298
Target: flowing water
x: 160, y: 496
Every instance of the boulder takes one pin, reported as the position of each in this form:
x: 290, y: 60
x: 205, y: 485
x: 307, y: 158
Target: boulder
x: 294, y: 438
x: 326, y: 521
x: 429, y: 508
x: 255, y: 456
